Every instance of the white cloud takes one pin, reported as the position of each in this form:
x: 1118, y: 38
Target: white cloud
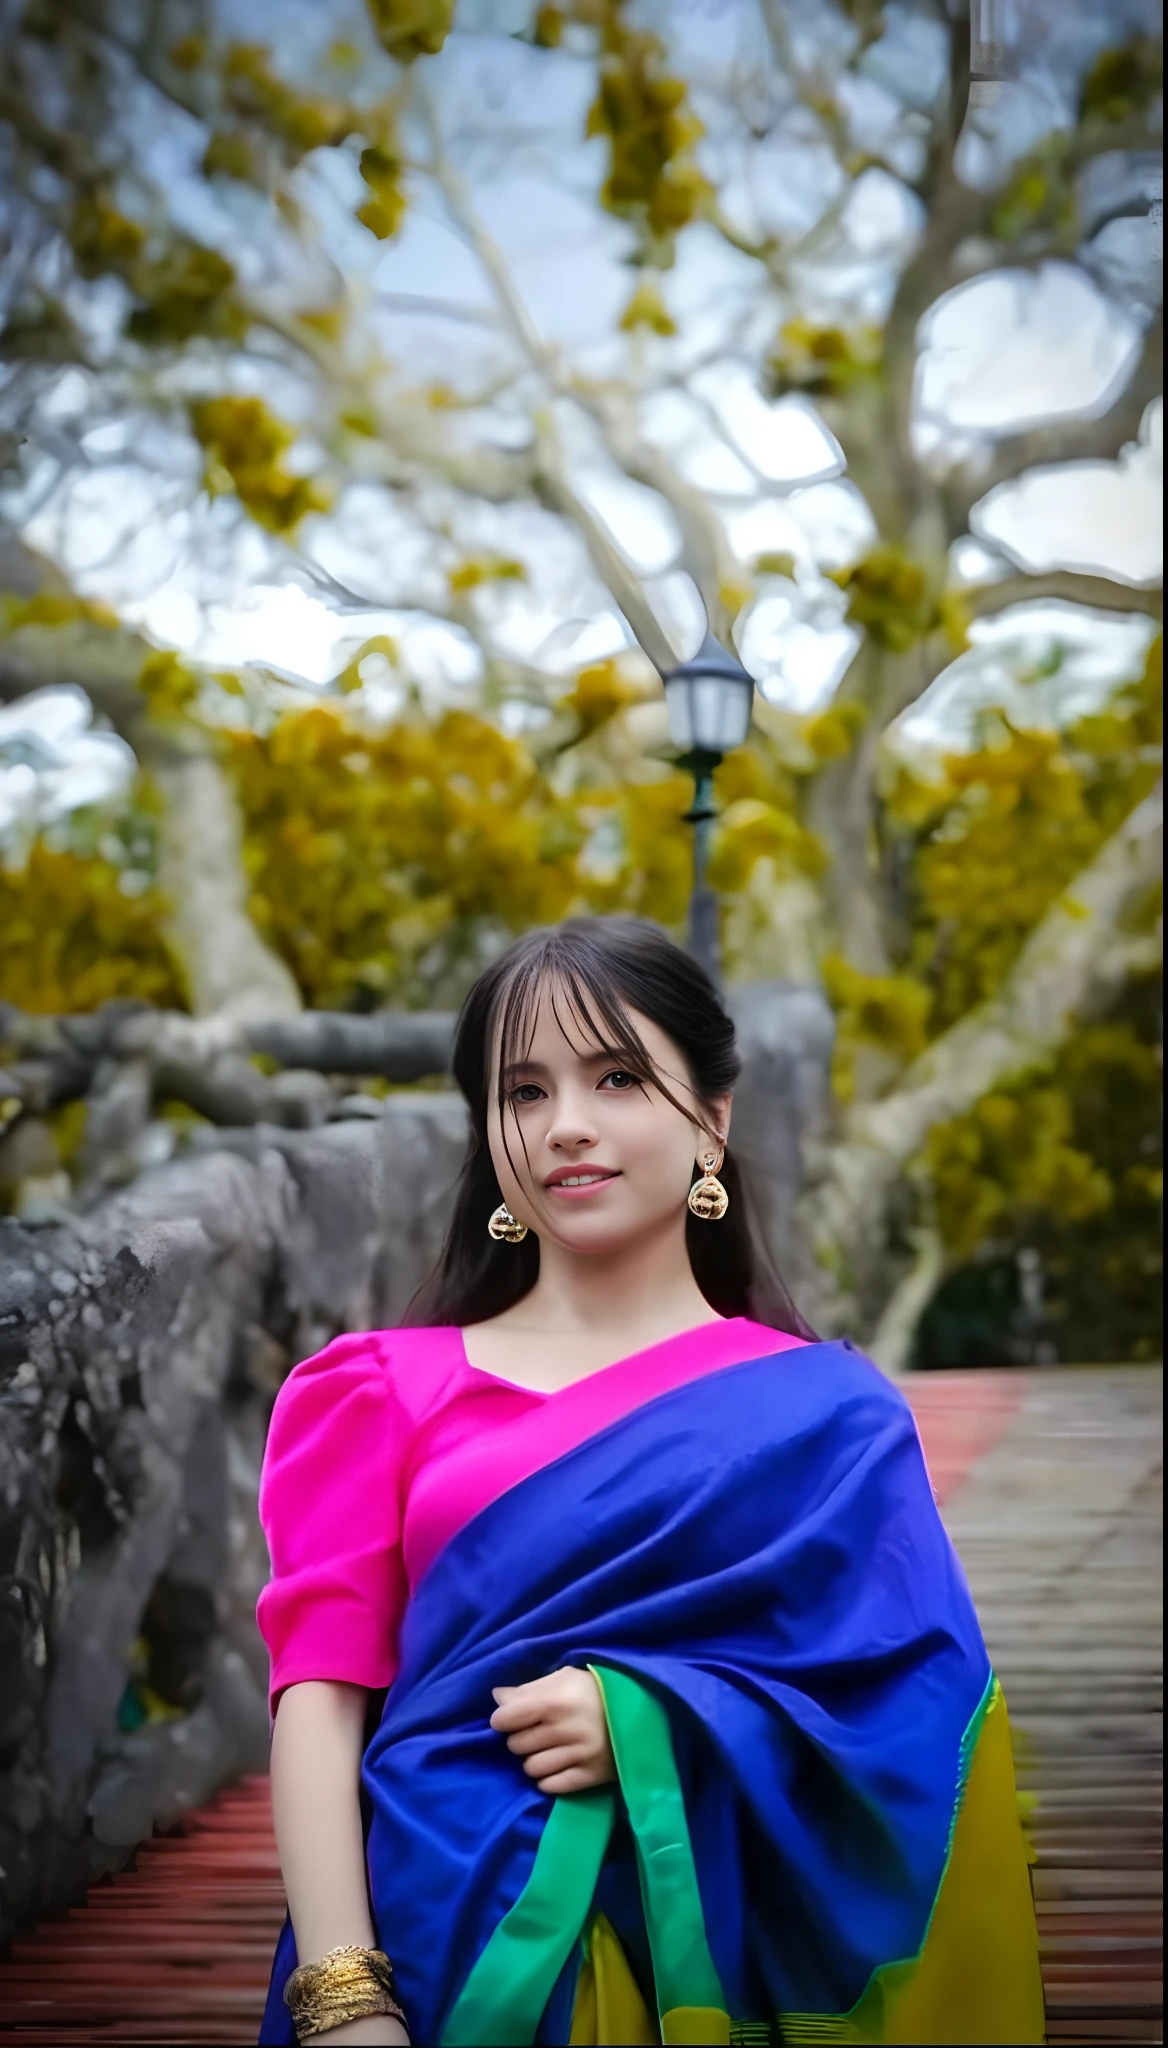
x: 675, y: 421
x: 796, y: 642
x: 639, y: 520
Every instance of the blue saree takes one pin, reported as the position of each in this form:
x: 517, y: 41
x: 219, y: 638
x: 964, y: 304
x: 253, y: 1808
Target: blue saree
x: 815, y: 1834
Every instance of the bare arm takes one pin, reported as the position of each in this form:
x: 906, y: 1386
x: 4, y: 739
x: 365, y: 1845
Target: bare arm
x: 316, y: 1762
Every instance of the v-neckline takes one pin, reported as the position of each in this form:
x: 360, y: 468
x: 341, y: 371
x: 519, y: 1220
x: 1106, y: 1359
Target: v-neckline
x: 614, y: 1365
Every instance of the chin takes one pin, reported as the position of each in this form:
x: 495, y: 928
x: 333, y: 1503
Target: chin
x: 584, y: 1237
x: 599, y: 1236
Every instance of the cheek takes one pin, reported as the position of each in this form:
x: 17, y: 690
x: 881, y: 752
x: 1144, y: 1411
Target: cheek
x: 655, y: 1146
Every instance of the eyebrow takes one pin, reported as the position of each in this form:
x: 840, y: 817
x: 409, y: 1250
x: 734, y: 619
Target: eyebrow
x: 517, y: 1067
x: 521, y: 1067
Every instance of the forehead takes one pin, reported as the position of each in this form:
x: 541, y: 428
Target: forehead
x: 555, y: 1026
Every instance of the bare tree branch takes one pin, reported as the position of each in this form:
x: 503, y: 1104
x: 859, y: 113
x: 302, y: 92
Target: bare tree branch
x: 205, y: 1061
x: 607, y: 558
x: 707, y: 553
x: 892, y: 1340
x: 1101, y: 592
x: 229, y: 970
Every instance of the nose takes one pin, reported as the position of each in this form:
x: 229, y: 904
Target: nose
x: 571, y: 1128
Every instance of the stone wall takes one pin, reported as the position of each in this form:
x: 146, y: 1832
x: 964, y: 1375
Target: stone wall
x: 140, y: 1350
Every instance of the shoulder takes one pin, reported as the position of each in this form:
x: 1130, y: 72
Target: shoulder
x: 369, y: 1371
x: 832, y: 1384
x: 337, y: 1413
x: 348, y: 1365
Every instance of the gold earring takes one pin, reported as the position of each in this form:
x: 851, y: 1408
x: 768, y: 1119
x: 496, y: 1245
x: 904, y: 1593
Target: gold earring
x: 708, y: 1199
x: 506, y: 1228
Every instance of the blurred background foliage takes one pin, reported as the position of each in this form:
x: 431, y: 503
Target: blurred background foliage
x: 390, y: 835
x: 1049, y: 1197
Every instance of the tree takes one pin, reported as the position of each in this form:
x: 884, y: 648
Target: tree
x: 211, y: 294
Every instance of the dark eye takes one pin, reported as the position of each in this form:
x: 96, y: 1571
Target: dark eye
x: 527, y: 1091
x: 620, y: 1079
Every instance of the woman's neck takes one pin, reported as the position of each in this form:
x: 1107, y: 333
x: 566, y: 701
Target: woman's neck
x: 577, y: 1321
x: 647, y: 1288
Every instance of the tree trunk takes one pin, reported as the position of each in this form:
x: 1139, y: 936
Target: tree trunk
x: 227, y: 966
x: 1077, y: 955
x: 229, y: 970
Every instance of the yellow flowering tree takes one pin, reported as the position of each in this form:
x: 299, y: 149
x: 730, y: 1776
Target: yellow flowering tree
x: 212, y: 287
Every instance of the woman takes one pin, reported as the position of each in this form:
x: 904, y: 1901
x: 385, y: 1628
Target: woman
x: 690, y: 1734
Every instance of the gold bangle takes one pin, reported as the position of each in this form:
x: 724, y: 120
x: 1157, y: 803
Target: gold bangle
x: 349, y: 1983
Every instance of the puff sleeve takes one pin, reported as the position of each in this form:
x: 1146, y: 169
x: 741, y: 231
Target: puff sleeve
x: 330, y: 1510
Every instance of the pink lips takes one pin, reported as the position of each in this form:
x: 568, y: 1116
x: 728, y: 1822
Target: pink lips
x: 591, y: 1187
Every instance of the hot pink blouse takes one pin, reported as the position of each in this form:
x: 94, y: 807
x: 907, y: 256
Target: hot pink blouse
x: 385, y: 1444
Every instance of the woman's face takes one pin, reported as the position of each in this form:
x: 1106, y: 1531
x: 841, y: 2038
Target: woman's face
x: 597, y: 1156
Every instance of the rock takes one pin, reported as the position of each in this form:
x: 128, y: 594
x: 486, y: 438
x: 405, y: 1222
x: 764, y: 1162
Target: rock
x: 28, y: 1147
x: 44, y: 1198
x: 304, y: 1099
x: 151, y: 1777
x: 117, y: 1113
x: 140, y: 1347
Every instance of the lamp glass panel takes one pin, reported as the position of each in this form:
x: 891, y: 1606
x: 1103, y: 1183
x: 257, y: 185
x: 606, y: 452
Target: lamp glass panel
x: 717, y: 718
x: 677, y: 705
x: 739, y: 707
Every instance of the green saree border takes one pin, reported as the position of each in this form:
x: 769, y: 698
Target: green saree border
x: 683, y: 1968
x: 504, y: 1996
x: 503, y: 1999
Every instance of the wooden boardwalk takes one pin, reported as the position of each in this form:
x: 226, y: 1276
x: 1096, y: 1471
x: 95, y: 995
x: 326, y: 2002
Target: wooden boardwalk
x: 1050, y: 1483
x: 1061, y: 1532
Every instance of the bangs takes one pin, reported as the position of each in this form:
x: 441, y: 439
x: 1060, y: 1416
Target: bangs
x: 580, y: 993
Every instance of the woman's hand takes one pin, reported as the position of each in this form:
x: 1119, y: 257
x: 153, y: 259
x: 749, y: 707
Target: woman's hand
x: 557, y: 1725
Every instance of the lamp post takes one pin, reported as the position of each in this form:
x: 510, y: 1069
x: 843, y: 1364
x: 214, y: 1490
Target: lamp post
x: 709, y: 700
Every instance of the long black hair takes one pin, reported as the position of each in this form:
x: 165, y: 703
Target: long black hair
x: 604, y: 967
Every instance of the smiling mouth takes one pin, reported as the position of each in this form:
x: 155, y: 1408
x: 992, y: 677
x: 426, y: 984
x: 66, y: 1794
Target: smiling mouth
x: 580, y: 1180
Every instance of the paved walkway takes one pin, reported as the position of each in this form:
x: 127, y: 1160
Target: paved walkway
x: 1050, y: 1484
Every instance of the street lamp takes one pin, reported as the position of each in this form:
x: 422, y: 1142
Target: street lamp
x: 709, y: 700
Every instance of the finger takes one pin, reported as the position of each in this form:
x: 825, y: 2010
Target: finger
x: 545, y: 1735
x: 531, y: 1741
x: 546, y: 1762
x: 518, y: 1712
x: 552, y: 1686
x: 577, y: 1778
x: 539, y: 1699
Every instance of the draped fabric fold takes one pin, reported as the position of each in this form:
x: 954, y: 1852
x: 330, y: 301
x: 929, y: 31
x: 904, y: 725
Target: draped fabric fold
x: 815, y: 1834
